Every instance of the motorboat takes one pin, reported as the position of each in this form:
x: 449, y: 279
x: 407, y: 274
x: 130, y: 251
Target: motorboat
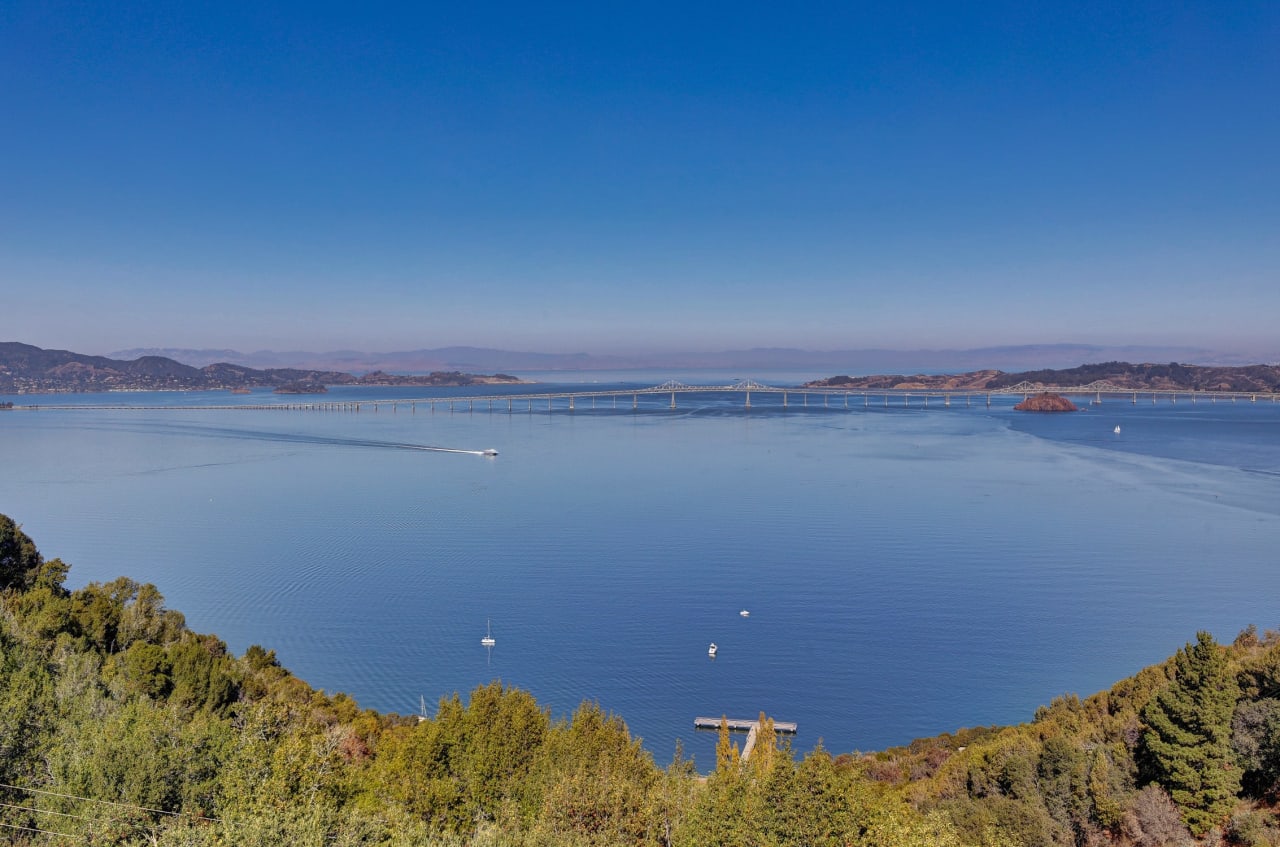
x: 744, y: 613
x: 711, y: 651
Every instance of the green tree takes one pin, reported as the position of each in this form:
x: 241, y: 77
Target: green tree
x: 1256, y: 737
x: 1186, y: 744
x: 19, y: 558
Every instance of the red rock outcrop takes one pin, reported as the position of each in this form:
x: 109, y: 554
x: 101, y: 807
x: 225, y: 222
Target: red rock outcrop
x: 1046, y: 402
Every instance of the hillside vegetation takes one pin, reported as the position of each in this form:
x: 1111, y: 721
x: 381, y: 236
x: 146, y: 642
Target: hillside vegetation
x: 119, y: 725
x: 25, y: 369
x: 1264, y: 379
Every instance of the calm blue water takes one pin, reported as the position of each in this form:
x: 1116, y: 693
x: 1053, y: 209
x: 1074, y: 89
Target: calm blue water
x: 908, y: 571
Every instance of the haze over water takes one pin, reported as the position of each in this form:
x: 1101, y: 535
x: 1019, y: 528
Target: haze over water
x: 908, y: 571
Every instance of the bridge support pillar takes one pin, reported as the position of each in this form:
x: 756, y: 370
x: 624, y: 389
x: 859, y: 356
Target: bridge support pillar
x: 747, y: 404
x: 784, y: 399
x: 635, y: 401
x: 673, y: 399
x: 570, y: 402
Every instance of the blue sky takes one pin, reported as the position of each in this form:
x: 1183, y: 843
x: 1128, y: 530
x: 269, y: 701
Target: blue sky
x: 566, y: 177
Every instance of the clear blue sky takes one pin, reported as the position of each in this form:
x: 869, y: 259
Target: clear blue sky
x: 657, y: 176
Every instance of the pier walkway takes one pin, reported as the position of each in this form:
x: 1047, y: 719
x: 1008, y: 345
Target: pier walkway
x: 750, y: 727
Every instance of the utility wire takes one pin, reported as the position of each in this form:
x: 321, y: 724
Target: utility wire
x: 110, y: 803
x: 42, y: 831
x: 45, y: 812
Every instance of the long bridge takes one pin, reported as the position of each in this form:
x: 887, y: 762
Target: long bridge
x: 669, y: 391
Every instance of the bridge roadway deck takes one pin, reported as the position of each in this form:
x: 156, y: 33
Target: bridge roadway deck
x: 894, y: 396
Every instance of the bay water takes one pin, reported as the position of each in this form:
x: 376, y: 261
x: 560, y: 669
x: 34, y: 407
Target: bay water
x: 908, y: 570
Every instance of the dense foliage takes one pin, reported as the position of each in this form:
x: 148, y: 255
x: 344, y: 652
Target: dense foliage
x: 119, y: 725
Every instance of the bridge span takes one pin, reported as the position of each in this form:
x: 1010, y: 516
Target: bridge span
x: 789, y: 396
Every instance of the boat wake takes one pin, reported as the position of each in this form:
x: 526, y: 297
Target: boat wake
x: 303, y: 438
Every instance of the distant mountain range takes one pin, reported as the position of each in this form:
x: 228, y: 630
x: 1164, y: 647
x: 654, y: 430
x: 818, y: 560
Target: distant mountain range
x: 866, y: 361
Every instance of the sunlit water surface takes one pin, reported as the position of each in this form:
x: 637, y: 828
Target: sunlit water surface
x: 908, y: 571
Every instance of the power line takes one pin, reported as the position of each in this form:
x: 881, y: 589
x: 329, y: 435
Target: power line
x: 45, y: 812
x: 109, y: 803
x: 41, y: 831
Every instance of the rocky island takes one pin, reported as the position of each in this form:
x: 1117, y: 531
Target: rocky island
x: 1046, y: 402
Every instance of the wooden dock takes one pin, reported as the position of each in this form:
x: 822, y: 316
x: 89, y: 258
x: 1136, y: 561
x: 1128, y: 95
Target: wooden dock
x: 740, y: 725
x: 750, y: 727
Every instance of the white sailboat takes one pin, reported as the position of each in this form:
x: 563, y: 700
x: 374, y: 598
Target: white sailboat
x: 1117, y: 429
x: 488, y: 641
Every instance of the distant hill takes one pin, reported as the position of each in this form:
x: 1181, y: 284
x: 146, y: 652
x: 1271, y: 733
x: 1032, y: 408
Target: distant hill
x: 28, y: 369
x: 1261, y: 378
x: 857, y: 361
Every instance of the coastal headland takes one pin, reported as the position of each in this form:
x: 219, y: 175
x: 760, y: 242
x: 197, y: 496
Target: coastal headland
x: 26, y: 369
x: 1121, y: 375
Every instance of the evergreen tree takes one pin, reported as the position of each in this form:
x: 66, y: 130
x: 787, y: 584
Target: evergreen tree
x: 1187, y: 739
x: 19, y: 558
